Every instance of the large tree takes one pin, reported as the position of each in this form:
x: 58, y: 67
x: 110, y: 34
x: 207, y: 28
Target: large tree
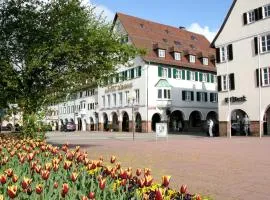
x: 49, y: 49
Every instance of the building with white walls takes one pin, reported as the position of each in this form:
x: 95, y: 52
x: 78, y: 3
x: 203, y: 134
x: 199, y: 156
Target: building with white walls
x: 174, y: 82
x: 243, y: 68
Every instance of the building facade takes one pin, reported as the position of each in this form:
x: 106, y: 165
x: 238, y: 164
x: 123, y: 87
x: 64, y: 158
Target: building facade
x: 243, y: 69
x: 174, y: 82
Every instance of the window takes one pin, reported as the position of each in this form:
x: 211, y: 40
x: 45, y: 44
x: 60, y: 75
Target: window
x: 120, y: 98
x: 192, y: 58
x: 114, y: 99
x: 164, y: 94
x: 204, y: 77
x: 164, y: 72
x: 187, y: 96
x: 177, y: 56
x: 109, y: 100
x: 266, y: 10
x: 81, y: 94
x: 215, y: 79
x: 223, y: 54
x: 213, y: 97
x: 103, y: 101
x: 192, y: 76
x: 137, y: 92
x: 266, y: 76
x: 205, y: 61
x: 202, y: 96
x: 224, y: 83
x: 126, y: 97
x: 178, y: 74
x: 265, y: 43
x: 251, y: 16
x: 161, y: 53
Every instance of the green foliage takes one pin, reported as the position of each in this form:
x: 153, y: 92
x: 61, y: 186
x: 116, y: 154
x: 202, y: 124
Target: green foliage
x: 49, y: 50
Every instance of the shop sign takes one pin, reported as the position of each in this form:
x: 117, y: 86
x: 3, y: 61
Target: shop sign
x: 236, y: 99
x: 118, y: 87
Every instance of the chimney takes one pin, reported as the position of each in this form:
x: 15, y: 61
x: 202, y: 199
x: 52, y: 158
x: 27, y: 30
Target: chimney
x: 182, y: 27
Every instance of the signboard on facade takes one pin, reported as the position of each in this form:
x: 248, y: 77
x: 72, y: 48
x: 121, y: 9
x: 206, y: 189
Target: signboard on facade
x: 118, y: 87
x: 161, y: 130
x: 236, y: 99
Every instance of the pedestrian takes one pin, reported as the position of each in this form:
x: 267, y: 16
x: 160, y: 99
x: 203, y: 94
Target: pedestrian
x: 180, y: 126
x: 246, y: 125
x: 210, y: 125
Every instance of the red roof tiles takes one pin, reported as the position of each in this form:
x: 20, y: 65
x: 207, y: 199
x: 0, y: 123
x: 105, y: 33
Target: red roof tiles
x: 149, y: 35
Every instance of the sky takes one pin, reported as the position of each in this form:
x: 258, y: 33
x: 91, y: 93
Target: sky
x: 200, y: 16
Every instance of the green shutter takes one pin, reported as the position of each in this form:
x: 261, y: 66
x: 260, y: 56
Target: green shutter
x: 188, y: 75
x: 169, y: 73
x: 212, y: 78
x: 200, y: 75
x: 139, y: 71
x: 159, y: 71
x: 125, y: 75
x: 183, y: 74
x: 174, y: 73
x: 196, y: 76
x: 208, y: 78
x: 132, y: 73
x: 117, y: 78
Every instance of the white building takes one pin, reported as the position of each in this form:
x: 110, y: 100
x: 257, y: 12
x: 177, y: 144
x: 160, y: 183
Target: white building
x: 174, y: 82
x: 243, y: 46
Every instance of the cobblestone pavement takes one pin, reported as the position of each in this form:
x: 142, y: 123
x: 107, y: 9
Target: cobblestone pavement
x: 225, y: 169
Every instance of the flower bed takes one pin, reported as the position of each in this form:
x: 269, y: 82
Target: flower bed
x: 36, y: 170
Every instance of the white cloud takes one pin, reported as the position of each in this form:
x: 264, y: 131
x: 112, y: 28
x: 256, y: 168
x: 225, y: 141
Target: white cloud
x: 100, y: 9
x: 197, y: 28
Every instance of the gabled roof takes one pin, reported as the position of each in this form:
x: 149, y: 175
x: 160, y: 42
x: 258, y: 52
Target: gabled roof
x: 149, y: 35
x: 224, y: 23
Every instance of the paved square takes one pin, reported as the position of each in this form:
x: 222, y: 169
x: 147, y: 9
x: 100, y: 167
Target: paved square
x: 225, y: 169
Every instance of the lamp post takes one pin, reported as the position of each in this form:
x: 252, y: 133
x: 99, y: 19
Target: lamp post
x: 131, y: 100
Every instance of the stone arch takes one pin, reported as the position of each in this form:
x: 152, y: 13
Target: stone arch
x: 138, y: 122
x: 92, y: 124
x: 115, y: 121
x: 237, y: 125
x: 125, y: 122
x: 212, y: 115
x: 195, y: 119
x: 176, y: 123
x: 156, y: 118
x: 105, y: 122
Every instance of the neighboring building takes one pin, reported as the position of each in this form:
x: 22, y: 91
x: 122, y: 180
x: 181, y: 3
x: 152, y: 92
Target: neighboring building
x: 243, y: 54
x: 175, y: 82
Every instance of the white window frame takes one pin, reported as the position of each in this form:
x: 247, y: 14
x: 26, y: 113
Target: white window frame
x: 188, y: 96
x: 177, y: 56
x: 224, y: 82
x: 136, y: 72
x: 192, y: 58
x: 223, y: 54
x: 161, y: 53
x: 164, y: 72
x: 114, y: 99
x: 109, y: 100
x: 215, y: 97
x: 137, y: 98
x: 164, y: 92
x: 192, y: 76
x: 103, y: 101
x: 204, y: 77
x: 205, y: 61
x: 250, y: 16
x: 178, y: 74
x: 265, y: 76
x: 215, y: 78
x: 266, y: 47
x: 266, y: 11
x: 120, y: 94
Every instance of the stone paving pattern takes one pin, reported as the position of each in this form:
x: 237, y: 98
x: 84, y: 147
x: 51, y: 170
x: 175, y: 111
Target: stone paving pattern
x: 223, y: 168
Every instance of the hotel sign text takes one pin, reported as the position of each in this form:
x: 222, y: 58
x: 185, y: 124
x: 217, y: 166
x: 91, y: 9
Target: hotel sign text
x: 118, y: 87
x: 236, y: 99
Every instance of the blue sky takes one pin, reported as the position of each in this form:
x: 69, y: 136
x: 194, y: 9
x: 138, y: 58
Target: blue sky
x: 201, y: 16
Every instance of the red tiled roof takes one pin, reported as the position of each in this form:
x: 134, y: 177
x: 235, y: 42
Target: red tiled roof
x: 149, y: 35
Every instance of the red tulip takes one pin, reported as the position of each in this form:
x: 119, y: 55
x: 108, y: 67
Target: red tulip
x: 9, y: 172
x: 67, y: 164
x: 91, y: 195
x: 14, y: 178
x: 55, y: 185
x: 166, y: 180
x: 12, y: 191
x: 124, y: 182
x: 74, y: 176
x: 159, y: 195
x: 118, y: 165
x: 48, y: 166
x: 26, y: 182
x: 33, y: 164
x: 141, y: 182
x: 64, y: 189
x: 102, y: 183
x: 3, y: 179
x: 39, y: 188
x: 30, y: 156
x: 84, y: 198
x: 55, y: 167
x: 123, y: 174
x: 148, y: 180
x: 37, y: 168
x: 45, y: 174
x: 147, y: 171
x: 138, y: 172
x: 183, y: 189
x: 69, y: 155
x: 198, y: 197
x: 113, y: 159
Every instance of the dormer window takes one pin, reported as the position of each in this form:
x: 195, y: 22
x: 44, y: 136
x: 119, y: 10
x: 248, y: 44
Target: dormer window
x: 177, y: 56
x: 192, y: 58
x: 161, y: 53
x: 205, y: 61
